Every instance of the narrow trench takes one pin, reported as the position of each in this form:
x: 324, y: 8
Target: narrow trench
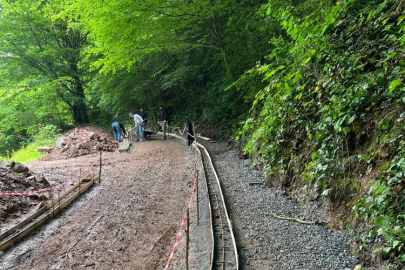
x: 223, y: 255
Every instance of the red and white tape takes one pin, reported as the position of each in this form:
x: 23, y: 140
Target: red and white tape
x: 182, y: 225
x: 44, y: 189
x: 176, y: 243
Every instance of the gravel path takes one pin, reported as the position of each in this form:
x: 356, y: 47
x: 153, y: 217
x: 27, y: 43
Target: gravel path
x: 265, y: 242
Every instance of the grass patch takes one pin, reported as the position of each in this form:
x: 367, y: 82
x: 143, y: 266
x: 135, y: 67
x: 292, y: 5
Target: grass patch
x: 29, y: 153
x: 45, y: 137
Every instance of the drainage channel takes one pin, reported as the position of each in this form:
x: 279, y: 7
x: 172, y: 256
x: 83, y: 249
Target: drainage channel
x: 224, y: 252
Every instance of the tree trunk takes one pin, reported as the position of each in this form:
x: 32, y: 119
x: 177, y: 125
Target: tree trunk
x: 80, y: 115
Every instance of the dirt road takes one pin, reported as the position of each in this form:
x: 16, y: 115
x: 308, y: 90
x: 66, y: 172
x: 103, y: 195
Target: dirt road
x: 128, y: 221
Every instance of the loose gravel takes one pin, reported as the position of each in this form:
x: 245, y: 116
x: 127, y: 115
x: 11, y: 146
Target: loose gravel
x: 265, y: 242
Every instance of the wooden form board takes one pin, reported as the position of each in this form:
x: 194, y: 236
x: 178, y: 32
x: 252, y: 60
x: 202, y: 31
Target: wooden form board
x: 41, y: 210
x: 46, y: 217
x: 224, y: 206
x: 44, y: 149
x: 23, y: 223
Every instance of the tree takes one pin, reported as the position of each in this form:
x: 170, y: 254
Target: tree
x: 47, y: 49
x: 145, y: 26
x: 182, y: 53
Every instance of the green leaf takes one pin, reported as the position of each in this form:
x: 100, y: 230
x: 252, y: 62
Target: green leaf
x: 377, y: 250
x: 395, y: 244
x: 394, y: 84
x: 386, y: 222
x: 350, y: 120
x: 400, y: 19
x: 337, y: 126
x: 387, y: 249
x: 385, y: 166
x: 364, y: 157
x: 378, y: 221
x: 384, y: 124
x: 346, y: 130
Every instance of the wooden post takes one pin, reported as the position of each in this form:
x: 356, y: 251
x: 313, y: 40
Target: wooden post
x: 99, y: 173
x: 196, y: 171
x: 59, y: 198
x: 187, y: 236
x: 198, y: 207
x: 194, y: 132
x: 80, y: 178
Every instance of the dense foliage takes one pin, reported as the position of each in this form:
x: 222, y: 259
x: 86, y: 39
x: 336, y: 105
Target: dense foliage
x: 333, y: 107
x: 44, y: 71
x: 128, y: 54
x: 314, y: 87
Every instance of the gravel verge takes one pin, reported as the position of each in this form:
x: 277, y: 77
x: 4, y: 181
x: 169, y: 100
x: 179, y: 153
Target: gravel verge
x: 265, y: 242
x: 200, y: 243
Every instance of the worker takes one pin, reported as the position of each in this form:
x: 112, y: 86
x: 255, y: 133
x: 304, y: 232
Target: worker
x: 190, y: 134
x: 138, y: 126
x: 144, y: 116
x: 117, y: 126
x: 163, y: 120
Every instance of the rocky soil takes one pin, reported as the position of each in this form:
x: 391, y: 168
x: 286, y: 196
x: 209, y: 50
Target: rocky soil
x: 16, y: 177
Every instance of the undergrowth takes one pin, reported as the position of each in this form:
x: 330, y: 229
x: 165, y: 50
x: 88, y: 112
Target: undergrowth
x: 28, y: 153
x: 333, y: 108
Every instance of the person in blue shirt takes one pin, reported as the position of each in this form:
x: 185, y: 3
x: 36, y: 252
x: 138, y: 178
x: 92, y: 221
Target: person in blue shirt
x: 138, y: 125
x: 117, y: 126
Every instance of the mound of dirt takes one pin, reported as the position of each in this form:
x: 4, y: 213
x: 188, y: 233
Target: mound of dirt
x: 82, y: 141
x: 16, y: 177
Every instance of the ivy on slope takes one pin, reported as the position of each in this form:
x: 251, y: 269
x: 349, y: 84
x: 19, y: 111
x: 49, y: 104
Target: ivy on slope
x: 334, y: 103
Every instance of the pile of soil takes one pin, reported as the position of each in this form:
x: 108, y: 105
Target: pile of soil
x: 16, y: 177
x: 82, y: 141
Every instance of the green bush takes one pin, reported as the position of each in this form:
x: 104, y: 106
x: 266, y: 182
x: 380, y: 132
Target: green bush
x: 333, y: 99
x: 45, y: 137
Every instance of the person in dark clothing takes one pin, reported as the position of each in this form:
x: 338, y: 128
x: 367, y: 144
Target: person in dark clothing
x: 144, y: 116
x: 163, y: 114
x: 163, y: 120
x: 117, y: 126
x: 190, y: 134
